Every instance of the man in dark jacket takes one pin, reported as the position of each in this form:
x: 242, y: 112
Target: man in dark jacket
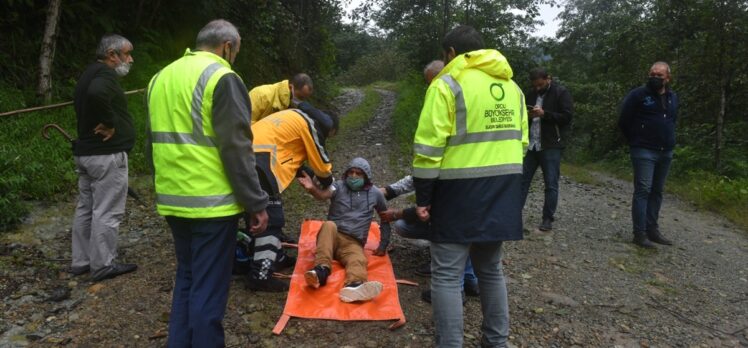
x: 648, y: 116
x: 550, y: 108
x: 105, y: 136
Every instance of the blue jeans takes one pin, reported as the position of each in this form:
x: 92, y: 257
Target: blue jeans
x: 650, y: 171
x: 420, y: 230
x: 447, y: 262
x: 549, y: 161
x: 201, y: 291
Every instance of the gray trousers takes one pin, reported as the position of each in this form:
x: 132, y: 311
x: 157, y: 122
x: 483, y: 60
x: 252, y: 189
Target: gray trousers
x: 102, y: 182
x: 447, y: 267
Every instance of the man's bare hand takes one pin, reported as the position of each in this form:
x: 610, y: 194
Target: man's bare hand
x: 389, y: 215
x: 105, y: 131
x: 305, y: 181
x: 259, y: 222
x: 380, y: 251
x: 423, y: 213
x: 537, y: 111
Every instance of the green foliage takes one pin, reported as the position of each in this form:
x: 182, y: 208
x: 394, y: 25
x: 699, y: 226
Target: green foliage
x: 594, y: 132
x: 32, y: 168
x: 607, y: 48
x: 411, y: 92
x: 720, y: 194
x: 11, y: 205
x: 387, y: 65
x: 417, y: 27
x: 280, y: 39
x: 351, y: 43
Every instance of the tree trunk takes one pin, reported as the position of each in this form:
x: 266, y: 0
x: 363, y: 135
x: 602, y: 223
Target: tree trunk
x: 467, y: 12
x: 445, y: 19
x: 720, y: 125
x: 139, y: 15
x: 47, y: 57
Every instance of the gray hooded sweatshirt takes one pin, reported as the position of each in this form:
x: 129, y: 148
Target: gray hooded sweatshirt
x: 352, y: 211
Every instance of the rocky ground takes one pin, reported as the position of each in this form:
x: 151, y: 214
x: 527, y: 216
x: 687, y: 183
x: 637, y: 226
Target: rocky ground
x: 581, y: 285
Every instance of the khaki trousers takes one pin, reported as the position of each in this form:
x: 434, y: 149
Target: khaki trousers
x: 102, y: 183
x: 332, y: 244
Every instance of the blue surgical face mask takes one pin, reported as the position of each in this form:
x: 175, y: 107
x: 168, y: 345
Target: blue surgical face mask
x: 354, y: 184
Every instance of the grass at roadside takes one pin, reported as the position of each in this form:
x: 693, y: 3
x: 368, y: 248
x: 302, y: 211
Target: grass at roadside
x: 579, y: 174
x: 356, y: 118
x: 411, y: 92
x: 705, y: 190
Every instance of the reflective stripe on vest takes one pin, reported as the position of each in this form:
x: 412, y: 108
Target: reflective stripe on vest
x: 197, y: 137
x: 463, y: 137
x: 194, y: 201
x: 312, y: 130
x: 207, y: 192
x: 467, y: 173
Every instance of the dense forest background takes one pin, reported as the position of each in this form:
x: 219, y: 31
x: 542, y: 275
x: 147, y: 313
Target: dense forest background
x: 602, y: 50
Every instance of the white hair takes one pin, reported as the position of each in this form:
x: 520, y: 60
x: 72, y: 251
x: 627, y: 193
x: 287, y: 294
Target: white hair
x: 217, y: 32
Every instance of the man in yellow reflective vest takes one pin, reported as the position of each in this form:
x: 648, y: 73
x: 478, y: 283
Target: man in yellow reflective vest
x: 269, y: 99
x: 467, y: 170
x: 200, y: 145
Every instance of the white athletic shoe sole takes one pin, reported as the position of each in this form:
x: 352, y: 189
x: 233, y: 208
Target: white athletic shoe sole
x: 363, y: 292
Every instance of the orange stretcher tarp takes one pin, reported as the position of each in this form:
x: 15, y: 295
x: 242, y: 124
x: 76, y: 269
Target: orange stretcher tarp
x: 323, y: 303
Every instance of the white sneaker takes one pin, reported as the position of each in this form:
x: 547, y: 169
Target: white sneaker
x: 360, y: 292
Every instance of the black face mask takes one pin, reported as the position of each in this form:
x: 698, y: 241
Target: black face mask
x: 655, y: 83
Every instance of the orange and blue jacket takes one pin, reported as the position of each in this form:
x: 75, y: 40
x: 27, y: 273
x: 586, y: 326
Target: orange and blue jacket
x: 291, y: 138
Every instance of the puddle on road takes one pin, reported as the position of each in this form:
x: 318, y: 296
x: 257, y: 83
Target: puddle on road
x: 47, y: 224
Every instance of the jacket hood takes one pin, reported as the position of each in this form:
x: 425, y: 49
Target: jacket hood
x: 491, y: 62
x: 362, y: 164
x: 453, y: 68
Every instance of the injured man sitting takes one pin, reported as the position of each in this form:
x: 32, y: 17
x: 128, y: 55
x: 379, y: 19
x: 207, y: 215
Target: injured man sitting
x: 353, y: 202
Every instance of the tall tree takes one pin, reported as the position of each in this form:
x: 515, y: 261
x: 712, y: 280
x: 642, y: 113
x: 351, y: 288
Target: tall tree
x: 49, y: 43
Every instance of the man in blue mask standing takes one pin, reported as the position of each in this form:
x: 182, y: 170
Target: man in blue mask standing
x: 648, y: 116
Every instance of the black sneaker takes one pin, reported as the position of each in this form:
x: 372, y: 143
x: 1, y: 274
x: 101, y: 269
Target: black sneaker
x: 317, y: 276
x: 266, y: 285
x: 114, y: 270
x: 641, y: 240
x: 285, y: 262
x: 657, y: 237
x: 424, y: 270
x: 546, y: 225
x: 76, y: 271
x: 360, y: 291
x: 471, y: 289
x: 426, y: 296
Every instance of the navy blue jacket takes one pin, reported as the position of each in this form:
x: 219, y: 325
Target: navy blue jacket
x: 475, y: 210
x: 647, y: 121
